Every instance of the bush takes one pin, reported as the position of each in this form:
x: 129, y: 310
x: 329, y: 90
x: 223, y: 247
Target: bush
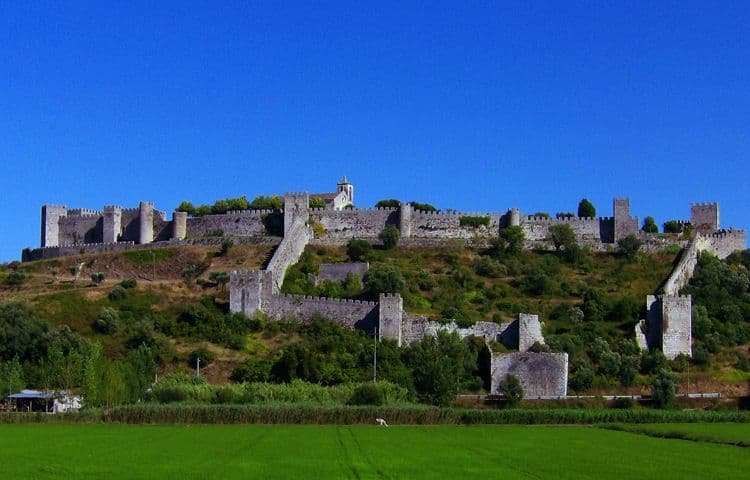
x: 672, y: 226
x: 389, y: 236
x: 511, y: 387
x: 384, y: 278
x: 367, y: 394
x: 474, y: 221
x: 117, y: 293
x: 423, y: 207
x: 97, y: 277
x: 664, y: 388
x: 107, y: 323
x: 129, y: 283
x: 203, y: 353
x: 225, y: 246
x: 629, y: 246
x: 317, y: 202
x: 15, y: 278
x: 357, y: 249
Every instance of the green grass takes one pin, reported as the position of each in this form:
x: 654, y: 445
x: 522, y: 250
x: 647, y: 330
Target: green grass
x: 147, y: 257
x: 227, y: 452
x: 729, y: 433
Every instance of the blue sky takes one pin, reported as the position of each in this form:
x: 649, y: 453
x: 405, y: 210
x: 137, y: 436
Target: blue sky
x: 475, y: 106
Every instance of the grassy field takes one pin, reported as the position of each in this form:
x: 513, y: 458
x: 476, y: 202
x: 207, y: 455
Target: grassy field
x: 184, y: 452
x: 729, y: 433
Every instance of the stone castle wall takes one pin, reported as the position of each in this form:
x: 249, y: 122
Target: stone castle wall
x: 241, y: 223
x: 345, y: 312
x: 448, y: 225
x: 289, y: 250
x: 341, y: 225
x: 540, y: 374
x: 85, y: 228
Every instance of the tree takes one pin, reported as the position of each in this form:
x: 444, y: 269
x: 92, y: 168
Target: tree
x: 649, y: 225
x: 267, y: 203
x: 629, y: 246
x: 317, y: 202
x: 511, y: 387
x: 225, y: 246
x: 672, y: 226
x: 357, y: 249
x: 97, y: 277
x: 586, y: 208
x: 186, y: 207
x: 388, y: 203
x: 91, y: 388
x: 510, y: 242
x: 383, y: 278
x: 221, y: 278
x: 11, y: 377
x: 389, y: 236
x: 437, y: 366
x: 423, y: 207
x: 664, y: 388
x: 562, y: 236
x: 108, y: 322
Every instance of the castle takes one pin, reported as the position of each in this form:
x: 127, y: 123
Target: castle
x: 667, y: 326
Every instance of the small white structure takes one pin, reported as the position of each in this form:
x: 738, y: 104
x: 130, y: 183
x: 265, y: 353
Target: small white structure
x: 67, y: 403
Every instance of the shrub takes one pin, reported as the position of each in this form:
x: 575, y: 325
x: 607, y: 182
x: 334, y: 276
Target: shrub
x: 107, y: 322
x: 15, y: 278
x: 383, y: 278
x: 203, y: 353
x: 511, y: 387
x: 389, y: 236
x: 225, y: 246
x: 367, y: 394
x: 97, y: 277
x: 357, y: 249
x: 129, y: 283
x: 117, y: 293
x: 474, y: 221
x: 664, y: 388
x: 629, y: 246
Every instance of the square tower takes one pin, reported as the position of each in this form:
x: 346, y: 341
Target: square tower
x: 704, y: 217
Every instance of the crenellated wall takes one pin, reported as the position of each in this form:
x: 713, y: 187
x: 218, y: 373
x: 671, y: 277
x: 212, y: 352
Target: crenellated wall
x: 448, y: 225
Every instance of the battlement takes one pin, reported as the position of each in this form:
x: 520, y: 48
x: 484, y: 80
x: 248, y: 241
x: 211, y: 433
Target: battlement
x: 532, y: 218
x: 577, y: 219
x: 338, y: 301
x: 725, y: 233
x: 109, y: 208
x: 705, y: 204
x: 606, y: 219
x: 83, y: 212
x: 454, y: 214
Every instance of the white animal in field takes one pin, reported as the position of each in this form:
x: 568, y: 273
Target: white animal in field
x: 381, y: 422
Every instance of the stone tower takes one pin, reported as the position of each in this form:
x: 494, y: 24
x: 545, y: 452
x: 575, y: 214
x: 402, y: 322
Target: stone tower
x: 51, y: 215
x: 347, y: 188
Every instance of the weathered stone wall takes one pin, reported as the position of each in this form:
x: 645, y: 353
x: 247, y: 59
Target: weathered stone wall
x: 289, y: 250
x: 353, y: 223
x: 414, y: 328
x: 676, y: 326
x: 79, y: 228
x: 541, y: 374
x: 448, y: 225
x: 240, y: 223
x: 30, y: 255
x: 112, y: 223
x: 589, y: 231
x: 723, y: 243
x: 130, y: 224
x: 704, y: 217
x: 625, y: 225
x: 390, y: 317
x: 51, y: 215
x: 529, y: 331
x: 349, y: 313
x: 179, y: 225
x: 337, y: 272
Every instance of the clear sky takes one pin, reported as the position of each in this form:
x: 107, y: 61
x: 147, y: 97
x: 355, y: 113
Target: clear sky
x: 465, y: 105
